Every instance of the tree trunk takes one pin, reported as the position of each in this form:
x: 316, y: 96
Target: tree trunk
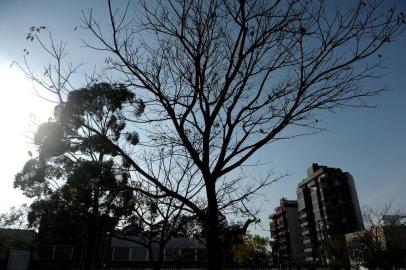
x: 160, y: 260
x: 90, y: 250
x: 214, y: 251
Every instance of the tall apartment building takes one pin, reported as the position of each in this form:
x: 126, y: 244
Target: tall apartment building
x: 328, y: 209
x: 286, y: 245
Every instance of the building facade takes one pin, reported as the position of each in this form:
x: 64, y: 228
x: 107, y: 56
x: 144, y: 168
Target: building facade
x: 127, y: 251
x: 286, y: 245
x: 141, y: 249
x: 328, y: 208
x: 377, y: 247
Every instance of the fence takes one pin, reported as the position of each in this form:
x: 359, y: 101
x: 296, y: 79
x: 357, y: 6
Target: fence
x: 154, y: 266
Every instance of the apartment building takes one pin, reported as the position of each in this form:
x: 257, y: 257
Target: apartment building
x: 286, y: 245
x: 328, y: 208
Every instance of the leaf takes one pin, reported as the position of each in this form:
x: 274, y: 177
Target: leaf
x: 29, y: 153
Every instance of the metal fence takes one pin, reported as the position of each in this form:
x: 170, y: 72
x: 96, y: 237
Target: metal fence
x: 155, y: 266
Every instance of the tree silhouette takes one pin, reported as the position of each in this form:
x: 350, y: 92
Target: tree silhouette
x: 81, y: 187
x: 222, y: 79
x: 226, y: 78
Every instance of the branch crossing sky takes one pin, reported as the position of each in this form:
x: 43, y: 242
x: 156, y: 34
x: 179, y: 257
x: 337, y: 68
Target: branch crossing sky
x: 368, y: 143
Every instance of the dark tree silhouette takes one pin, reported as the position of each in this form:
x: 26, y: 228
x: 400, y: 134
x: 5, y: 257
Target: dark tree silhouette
x: 81, y: 188
x: 222, y: 79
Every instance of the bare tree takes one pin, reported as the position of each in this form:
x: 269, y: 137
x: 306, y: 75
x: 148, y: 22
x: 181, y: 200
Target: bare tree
x: 385, y: 215
x: 65, y: 140
x: 383, y: 244
x: 158, y: 218
x: 15, y: 217
x: 222, y: 79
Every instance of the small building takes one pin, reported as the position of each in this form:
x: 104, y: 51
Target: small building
x: 17, y: 247
x: 378, y: 243
x: 139, y: 248
x: 126, y: 251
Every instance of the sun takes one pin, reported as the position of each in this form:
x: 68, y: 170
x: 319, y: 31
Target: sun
x: 19, y: 107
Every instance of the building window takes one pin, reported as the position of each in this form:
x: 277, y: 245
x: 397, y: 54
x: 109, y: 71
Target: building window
x: 139, y: 254
x: 188, y: 254
x: 121, y: 254
x: 63, y: 253
x: 171, y: 254
x: 46, y: 252
x: 201, y: 255
x: 155, y: 254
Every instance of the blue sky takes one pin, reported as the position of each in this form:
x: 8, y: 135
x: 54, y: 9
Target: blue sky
x: 368, y: 143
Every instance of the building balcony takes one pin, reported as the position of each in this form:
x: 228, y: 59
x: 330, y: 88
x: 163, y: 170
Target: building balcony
x: 307, y: 241
x: 281, y: 226
x: 308, y: 250
x: 304, y: 224
x: 282, y: 240
x: 303, y: 216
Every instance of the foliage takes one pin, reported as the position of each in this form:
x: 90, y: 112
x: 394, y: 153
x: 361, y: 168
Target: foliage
x: 15, y: 218
x: 78, y: 183
x: 253, y: 251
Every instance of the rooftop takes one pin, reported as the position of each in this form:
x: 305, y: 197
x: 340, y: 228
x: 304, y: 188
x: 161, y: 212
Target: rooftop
x: 314, y: 170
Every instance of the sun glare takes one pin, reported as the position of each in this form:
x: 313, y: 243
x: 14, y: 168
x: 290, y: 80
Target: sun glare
x: 19, y: 108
